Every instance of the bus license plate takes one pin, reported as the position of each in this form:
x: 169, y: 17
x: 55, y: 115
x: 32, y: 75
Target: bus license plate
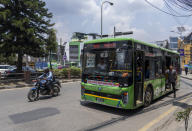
x: 100, y: 99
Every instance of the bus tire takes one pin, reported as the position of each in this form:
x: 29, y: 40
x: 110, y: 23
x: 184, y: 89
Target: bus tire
x: 148, y: 97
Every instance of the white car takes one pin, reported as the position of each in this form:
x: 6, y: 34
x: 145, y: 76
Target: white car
x: 4, y: 68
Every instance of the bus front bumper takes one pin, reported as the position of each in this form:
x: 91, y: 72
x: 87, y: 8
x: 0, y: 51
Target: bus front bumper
x: 103, y: 100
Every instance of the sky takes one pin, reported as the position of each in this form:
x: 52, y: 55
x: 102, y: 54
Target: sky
x: 147, y: 23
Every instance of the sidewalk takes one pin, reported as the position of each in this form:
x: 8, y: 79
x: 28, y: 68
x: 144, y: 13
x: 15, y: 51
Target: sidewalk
x: 188, y: 76
x: 170, y: 124
x: 21, y: 84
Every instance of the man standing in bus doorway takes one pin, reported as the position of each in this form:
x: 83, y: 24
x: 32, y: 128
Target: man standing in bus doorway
x: 172, y: 77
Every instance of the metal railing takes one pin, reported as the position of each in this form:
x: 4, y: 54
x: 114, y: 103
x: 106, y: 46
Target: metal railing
x: 28, y: 77
x: 25, y: 76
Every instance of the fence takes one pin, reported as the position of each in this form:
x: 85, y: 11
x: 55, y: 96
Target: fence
x: 28, y: 77
x: 25, y: 76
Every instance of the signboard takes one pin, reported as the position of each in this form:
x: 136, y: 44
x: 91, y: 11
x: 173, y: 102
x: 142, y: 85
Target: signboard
x: 105, y: 45
x: 90, y: 60
x: 103, y: 83
x: 64, y: 57
x: 181, y: 51
x: 41, y: 65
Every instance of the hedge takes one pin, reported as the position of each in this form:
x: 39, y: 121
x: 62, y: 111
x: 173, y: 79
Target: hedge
x: 63, y: 73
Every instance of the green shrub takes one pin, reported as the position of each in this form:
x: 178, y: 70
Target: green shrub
x: 75, y: 72
x: 64, y: 72
x: 57, y: 72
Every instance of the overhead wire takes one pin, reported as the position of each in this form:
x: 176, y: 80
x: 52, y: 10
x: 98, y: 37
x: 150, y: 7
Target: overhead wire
x: 169, y: 4
x: 172, y: 14
x: 170, y: 8
x: 179, y: 4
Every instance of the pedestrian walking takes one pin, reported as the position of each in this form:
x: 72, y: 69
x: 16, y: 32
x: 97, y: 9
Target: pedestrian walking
x: 186, y: 70
x: 172, y: 78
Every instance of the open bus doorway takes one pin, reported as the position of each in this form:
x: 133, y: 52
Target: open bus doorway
x: 168, y: 61
x: 139, y: 79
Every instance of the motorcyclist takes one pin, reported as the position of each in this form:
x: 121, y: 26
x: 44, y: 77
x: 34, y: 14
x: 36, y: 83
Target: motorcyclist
x: 47, y: 76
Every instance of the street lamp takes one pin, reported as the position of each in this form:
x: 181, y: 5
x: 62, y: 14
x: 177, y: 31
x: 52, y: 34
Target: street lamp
x: 102, y: 15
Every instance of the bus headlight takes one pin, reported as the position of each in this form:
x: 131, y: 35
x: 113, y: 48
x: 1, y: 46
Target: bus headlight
x: 125, y: 97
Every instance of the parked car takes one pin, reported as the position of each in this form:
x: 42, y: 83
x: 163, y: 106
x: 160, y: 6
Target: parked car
x: 4, y: 68
x: 12, y: 72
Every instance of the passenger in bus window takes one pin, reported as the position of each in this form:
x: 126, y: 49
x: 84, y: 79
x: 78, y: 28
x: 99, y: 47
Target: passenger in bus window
x: 147, y: 72
x: 138, y: 74
x: 102, y: 66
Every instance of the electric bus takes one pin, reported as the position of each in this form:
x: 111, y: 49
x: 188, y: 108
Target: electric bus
x: 126, y: 73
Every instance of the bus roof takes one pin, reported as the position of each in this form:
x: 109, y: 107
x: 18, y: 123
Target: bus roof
x: 125, y: 39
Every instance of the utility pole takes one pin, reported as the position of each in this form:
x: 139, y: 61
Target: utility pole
x: 61, y: 52
x: 64, y: 53
x: 102, y: 14
x: 114, y: 32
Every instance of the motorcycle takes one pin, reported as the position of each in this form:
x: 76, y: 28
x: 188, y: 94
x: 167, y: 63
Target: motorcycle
x: 41, y: 89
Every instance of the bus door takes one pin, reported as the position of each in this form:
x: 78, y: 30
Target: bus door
x: 139, y: 77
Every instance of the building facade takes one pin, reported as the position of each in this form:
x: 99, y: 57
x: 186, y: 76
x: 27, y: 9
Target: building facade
x: 188, y: 53
x: 173, y: 43
x: 75, y: 48
x: 164, y: 44
x: 187, y: 46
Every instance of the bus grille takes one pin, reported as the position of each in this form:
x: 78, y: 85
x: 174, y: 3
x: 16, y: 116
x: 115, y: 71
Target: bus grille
x: 103, y: 94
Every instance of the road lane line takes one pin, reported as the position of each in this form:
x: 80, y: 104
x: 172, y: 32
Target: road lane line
x: 153, y: 122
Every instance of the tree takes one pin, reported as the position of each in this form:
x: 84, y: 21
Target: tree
x: 51, y: 44
x: 24, y: 25
x: 184, y: 115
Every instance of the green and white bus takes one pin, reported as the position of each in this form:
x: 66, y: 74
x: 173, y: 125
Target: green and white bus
x: 125, y: 73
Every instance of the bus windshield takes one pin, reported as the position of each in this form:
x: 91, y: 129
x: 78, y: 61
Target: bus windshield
x: 110, y: 62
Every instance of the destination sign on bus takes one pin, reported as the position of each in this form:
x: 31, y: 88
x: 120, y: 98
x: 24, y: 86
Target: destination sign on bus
x: 103, y: 83
x: 105, y: 45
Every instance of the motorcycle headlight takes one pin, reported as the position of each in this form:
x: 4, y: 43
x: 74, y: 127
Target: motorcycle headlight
x: 35, y: 83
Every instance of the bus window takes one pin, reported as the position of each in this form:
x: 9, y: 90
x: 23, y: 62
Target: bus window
x: 139, y: 67
x: 158, y: 67
x: 147, y: 69
x: 110, y: 63
x: 150, y: 70
x: 168, y: 62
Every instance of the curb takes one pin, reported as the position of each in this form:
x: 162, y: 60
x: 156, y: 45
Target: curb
x: 30, y: 85
x: 186, y: 77
x: 21, y: 86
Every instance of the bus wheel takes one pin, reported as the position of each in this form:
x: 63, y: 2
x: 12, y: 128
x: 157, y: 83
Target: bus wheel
x: 148, y: 97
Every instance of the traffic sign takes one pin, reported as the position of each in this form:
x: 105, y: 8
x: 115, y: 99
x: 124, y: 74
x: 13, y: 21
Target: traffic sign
x: 64, y: 57
x: 181, y: 51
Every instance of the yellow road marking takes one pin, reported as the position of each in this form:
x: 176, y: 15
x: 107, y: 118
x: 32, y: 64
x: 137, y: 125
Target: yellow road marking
x: 101, y: 97
x: 153, y: 122
x: 123, y: 70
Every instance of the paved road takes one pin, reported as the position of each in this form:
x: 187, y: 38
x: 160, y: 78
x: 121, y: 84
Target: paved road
x: 65, y: 113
